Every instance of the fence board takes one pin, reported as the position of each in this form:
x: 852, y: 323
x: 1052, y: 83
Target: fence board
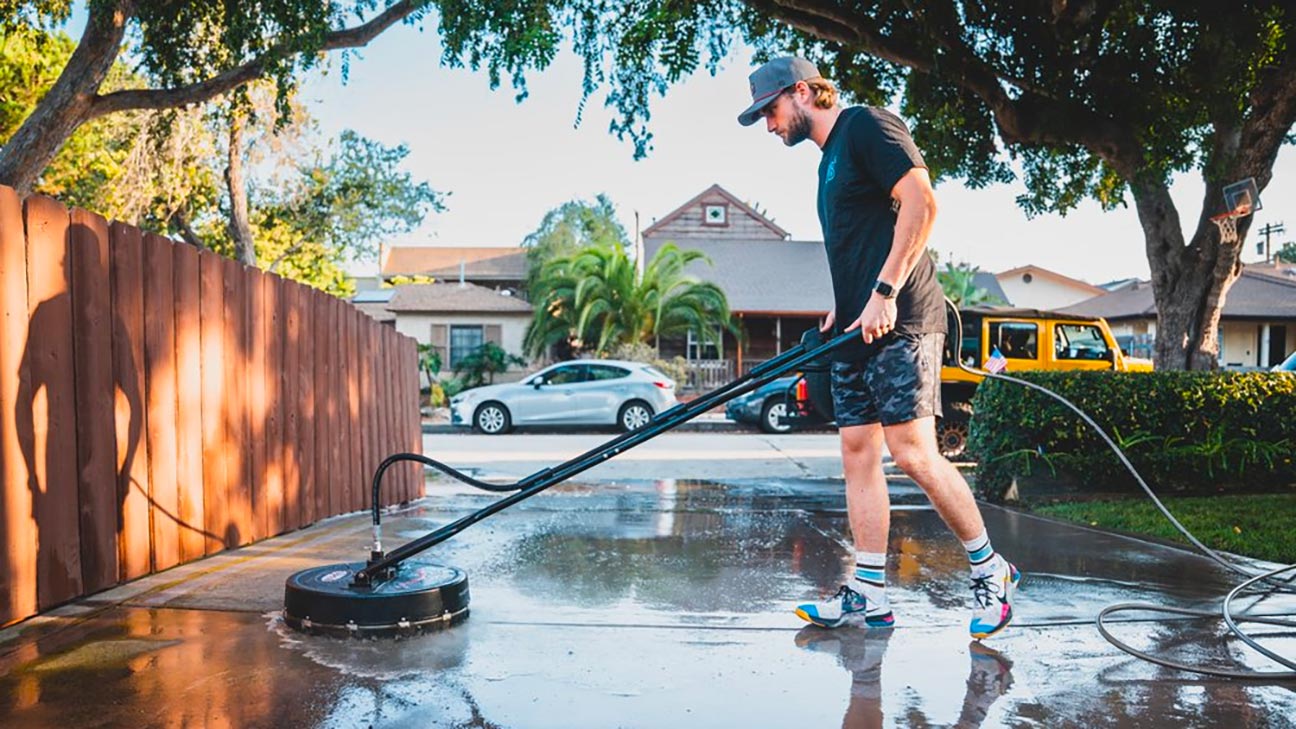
x: 211, y: 271
x: 388, y: 486
x: 340, y: 479
x: 17, y: 522
x: 161, y: 398
x: 308, y: 363
x: 402, y: 414
x: 96, y: 431
x: 291, y: 384
x: 49, y: 425
x: 416, y: 416
x: 272, y: 328
x: 323, y: 369
x: 369, y: 403
x: 238, y: 528
x: 133, y: 488
x: 186, y: 290
x: 354, y: 449
x: 257, y: 404
x: 398, y: 428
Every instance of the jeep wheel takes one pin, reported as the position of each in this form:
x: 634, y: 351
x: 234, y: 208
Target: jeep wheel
x: 953, y: 429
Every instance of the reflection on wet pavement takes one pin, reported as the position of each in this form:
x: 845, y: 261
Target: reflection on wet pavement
x: 654, y: 604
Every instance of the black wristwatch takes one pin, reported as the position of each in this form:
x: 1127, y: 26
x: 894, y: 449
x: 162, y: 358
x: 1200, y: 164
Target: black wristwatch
x: 887, y: 290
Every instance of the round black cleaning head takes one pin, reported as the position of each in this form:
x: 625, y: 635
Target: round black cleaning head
x: 417, y: 596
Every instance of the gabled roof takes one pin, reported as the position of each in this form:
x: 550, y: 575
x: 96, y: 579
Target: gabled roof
x: 764, y: 276
x: 424, y: 260
x: 715, y: 190
x: 990, y: 284
x: 1254, y: 295
x: 455, y: 297
x: 1052, y: 275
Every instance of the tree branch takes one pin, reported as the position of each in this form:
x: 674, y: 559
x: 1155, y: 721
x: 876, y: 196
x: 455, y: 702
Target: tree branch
x: 233, y: 78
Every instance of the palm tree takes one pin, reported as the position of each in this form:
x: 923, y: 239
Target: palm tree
x: 959, y: 284
x: 594, y: 300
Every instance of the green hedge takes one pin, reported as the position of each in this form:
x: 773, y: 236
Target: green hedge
x: 1187, y: 431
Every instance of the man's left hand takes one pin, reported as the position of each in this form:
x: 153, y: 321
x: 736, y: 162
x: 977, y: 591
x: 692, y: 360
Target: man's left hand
x: 877, y: 320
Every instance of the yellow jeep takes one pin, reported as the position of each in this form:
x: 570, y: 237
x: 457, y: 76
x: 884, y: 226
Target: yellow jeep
x: 1028, y: 339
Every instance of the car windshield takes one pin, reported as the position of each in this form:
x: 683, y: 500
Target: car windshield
x: 1289, y: 364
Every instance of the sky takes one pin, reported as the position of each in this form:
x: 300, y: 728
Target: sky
x: 505, y: 164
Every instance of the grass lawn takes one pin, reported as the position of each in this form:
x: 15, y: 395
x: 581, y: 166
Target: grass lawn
x: 1262, y: 526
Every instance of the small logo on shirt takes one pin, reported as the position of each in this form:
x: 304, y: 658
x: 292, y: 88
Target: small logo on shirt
x: 832, y: 169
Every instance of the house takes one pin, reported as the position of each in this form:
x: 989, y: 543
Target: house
x: 1033, y: 287
x: 501, y: 268
x: 458, y: 318
x: 776, y: 287
x: 1257, y: 324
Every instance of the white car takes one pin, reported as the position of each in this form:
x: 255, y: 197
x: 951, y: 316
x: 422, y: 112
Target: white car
x: 578, y: 392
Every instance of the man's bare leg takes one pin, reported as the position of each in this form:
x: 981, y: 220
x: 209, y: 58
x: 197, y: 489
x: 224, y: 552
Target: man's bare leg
x: 868, y: 506
x: 913, y: 446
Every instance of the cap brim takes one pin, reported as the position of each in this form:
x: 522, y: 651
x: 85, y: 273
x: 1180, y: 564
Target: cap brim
x: 753, y: 112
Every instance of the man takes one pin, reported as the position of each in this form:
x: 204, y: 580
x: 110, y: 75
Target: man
x: 876, y: 207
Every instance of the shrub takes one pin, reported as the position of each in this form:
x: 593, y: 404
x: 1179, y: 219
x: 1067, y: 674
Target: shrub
x: 1181, y: 430
x: 676, y: 368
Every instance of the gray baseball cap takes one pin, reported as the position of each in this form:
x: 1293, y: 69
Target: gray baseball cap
x: 770, y: 79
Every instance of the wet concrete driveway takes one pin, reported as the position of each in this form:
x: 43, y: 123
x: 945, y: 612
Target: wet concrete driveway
x: 649, y: 604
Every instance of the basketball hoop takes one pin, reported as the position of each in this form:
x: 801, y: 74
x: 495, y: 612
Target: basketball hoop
x: 1242, y: 198
x: 1227, y: 223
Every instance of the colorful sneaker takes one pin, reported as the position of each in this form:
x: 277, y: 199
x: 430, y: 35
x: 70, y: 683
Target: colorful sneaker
x: 847, y: 606
x: 993, y: 593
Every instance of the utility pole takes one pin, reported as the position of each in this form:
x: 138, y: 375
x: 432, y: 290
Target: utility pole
x: 1268, y: 230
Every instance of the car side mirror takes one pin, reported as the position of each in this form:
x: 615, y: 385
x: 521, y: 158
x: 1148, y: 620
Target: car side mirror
x: 537, y: 382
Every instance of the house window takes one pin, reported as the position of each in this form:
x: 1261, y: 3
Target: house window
x: 464, y: 340
x: 715, y: 215
x: 698, y: 349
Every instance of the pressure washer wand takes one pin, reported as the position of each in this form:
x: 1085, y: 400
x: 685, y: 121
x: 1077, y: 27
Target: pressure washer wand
x: 760, y: 375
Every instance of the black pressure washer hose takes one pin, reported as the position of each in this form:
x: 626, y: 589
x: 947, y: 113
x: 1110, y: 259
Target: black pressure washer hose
x: 1229, y: 618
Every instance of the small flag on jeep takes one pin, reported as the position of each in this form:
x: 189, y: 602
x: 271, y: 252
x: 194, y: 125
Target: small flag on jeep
x: 996, y: 362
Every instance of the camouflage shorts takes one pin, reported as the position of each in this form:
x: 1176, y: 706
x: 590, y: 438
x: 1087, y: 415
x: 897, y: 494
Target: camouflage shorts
x: 898, y: 383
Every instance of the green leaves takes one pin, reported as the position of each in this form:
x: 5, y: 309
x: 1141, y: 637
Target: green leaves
x: 1182, y: 430
x: 592, y: 300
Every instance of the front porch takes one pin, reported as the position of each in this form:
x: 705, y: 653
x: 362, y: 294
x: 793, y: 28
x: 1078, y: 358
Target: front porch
x: 763, y: 337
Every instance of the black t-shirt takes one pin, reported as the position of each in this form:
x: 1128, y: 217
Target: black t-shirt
x: 865, y: 155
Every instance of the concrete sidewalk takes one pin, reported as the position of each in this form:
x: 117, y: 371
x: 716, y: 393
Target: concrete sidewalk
x: 648, y: 603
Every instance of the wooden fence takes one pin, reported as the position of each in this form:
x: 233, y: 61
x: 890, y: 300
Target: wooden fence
x: 159, y: 404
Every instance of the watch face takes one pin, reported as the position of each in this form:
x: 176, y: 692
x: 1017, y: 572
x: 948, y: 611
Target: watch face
x: 714, y: 214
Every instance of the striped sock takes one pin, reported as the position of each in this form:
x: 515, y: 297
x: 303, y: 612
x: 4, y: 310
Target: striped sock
x: 980, y: 554
x: 870, y: 574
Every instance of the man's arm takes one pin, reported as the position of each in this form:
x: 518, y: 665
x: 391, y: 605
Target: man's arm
x: 913, y: 226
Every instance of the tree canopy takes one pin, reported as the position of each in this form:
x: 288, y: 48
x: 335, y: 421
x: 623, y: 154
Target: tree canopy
x: 570, y: 227
x: 1101, y: 99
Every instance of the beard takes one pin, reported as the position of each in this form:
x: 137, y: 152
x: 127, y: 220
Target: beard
x: 798, y: 128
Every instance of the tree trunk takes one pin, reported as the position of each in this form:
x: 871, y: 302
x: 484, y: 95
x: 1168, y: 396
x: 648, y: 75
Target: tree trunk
x: 67, y: 105
x: 239, y: 228
x: 1189, y: 282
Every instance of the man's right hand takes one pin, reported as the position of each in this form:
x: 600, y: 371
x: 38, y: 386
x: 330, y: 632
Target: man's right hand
x: 828, y: 320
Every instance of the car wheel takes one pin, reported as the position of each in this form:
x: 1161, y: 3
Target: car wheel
x: 953, y: 429
x: 492, y: 418
x: 634, y: 415
x: 774, y: 409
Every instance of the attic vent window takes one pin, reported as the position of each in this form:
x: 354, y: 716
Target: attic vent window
x: 715, y: 215
x: 1027, y: 278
